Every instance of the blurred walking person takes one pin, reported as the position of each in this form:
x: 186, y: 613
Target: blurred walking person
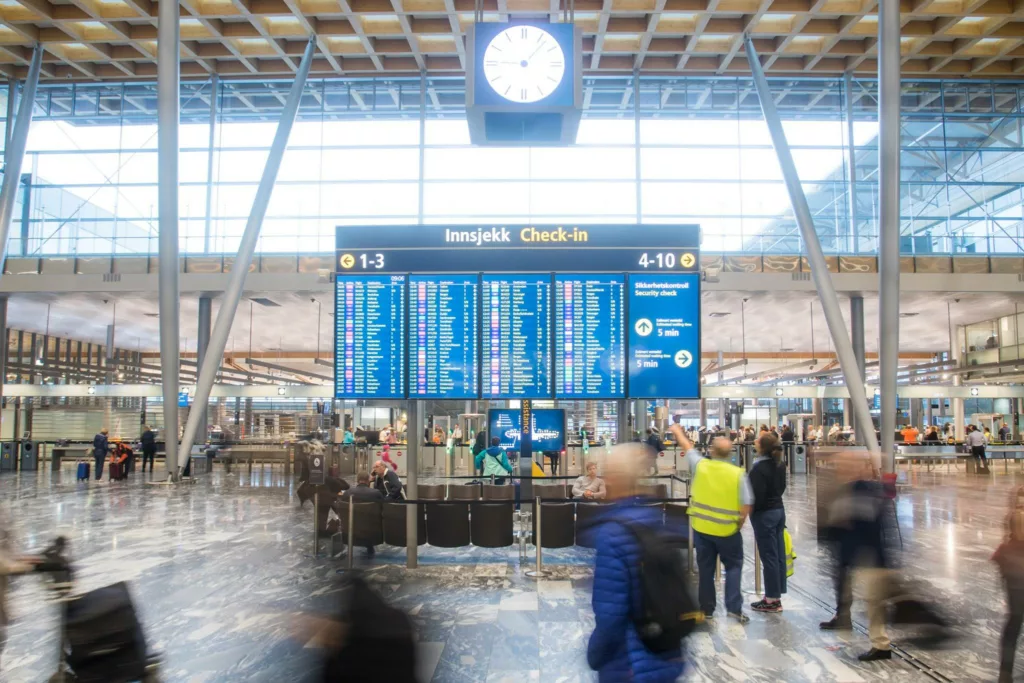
x: 768, y: 482
x: 857, y: 526
x: 1010, y: 559
x: 616, y: 650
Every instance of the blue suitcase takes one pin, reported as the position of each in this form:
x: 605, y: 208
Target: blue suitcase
x: 83, y: 471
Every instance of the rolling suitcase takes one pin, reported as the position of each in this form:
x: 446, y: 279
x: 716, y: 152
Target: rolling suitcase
x: 83, y: 471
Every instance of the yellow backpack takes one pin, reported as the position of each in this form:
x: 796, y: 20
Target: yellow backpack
x: 790, y: 553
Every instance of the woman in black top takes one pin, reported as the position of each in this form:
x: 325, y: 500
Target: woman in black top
x: 479, y: 445
x: 768, y: 481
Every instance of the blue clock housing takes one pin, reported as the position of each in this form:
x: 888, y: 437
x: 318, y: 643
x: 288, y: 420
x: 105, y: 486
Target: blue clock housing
x: 551, y: 120
x: 562, y: 96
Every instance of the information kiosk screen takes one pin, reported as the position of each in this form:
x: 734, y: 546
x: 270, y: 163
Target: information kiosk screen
x: 664, y: 336
x: 369, y: 318
x: 548, y: 428
x: 590, y: 353
x: 443, y: 329
x: 516, y: 336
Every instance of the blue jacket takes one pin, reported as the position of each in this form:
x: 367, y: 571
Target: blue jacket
x: 100, y: 445
x: 615, y: 650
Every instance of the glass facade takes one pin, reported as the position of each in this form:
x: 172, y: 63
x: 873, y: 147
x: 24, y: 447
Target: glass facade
x: 659, y: 150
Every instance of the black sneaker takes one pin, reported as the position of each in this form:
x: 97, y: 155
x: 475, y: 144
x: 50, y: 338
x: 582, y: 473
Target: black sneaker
x: 836, y: 624
x: 774, y: 606
x: 875, y: 655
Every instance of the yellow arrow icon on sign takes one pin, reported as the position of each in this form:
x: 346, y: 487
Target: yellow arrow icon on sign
x: 347, y: 261
x: 687, y: 260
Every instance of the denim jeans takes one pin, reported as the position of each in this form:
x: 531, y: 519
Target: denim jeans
x: 709, y: 549
x: 1012, y: 626
x: 771, y: 545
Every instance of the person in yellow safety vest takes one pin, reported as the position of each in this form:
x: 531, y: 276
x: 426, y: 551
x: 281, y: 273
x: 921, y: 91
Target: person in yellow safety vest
x: 720, y: 502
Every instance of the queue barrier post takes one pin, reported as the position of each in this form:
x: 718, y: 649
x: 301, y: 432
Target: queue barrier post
x: 690, y: 551
x: 351, y: 530
x: 316, y: 521
x: 538, y: 572
x: 757, y: 570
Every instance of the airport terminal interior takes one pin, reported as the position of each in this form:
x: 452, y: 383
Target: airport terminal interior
x: 513, y: 273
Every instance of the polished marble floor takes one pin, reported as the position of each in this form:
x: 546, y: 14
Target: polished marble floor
x: 223, y: 575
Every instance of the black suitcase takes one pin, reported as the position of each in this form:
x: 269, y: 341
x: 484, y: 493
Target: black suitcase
x: 104, y: 637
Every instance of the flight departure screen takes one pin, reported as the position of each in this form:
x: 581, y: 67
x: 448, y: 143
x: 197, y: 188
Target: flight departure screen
x: 664, y: 336
x: 589, y: 328
x: 443, y: 336
x: 548, y: 428
x: 369, y: 343
x: 516, y: 342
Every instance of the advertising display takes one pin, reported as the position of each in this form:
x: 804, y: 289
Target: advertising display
x: 516, y: 336
x: 664, y: 336
x: 369, y: 339
x: 590, y: 353
x: 443, y: 330
x: 548, y: 428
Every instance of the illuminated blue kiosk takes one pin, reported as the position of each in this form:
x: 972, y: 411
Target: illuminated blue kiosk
x: 496, y: 315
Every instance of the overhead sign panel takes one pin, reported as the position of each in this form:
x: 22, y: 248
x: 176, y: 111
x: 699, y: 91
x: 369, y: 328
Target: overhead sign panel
x: 443, y: 329
x: 521, y: 248
x: 548, y: 428
x: 369, y: 344
x: 516, y: 336
x: 590, y: 349
x: 664, y: 336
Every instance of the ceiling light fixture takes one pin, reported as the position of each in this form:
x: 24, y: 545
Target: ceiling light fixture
x: 718, y: 314
x: 908, y: 315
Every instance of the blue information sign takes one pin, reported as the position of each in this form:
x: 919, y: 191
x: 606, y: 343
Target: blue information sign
x: 516, y: 336
x: 369, y: 360
x: 443, y: 330
x: 664, y: 336
x: 590, y: 353
x: 548, y: 428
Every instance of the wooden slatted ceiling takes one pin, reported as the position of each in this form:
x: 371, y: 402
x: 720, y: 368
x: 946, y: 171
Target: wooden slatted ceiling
x: 116, y: 39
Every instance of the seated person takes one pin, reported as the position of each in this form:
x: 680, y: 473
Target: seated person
x: 386, y: 481
x: 494, y: 461
x: 363, y: 493
x: 589, y: 486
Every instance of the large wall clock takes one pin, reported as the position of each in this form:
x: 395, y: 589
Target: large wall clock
x: 523, y: 83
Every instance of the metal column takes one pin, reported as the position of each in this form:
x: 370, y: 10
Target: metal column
x: 215, y: 85
x: 168, y: 104
x: 819, y: 269
x: 622, y: 420
x: 888, y: 221
x: 857, y: 340
x: 722, y: 417
x: 14, y: 155
x: 202, y: 343
x: 246, y: 249
x: 422, y: 148
x: 3, y: 346
x: 414, y: 429
x: 851, y: 164
x: 12, y: 109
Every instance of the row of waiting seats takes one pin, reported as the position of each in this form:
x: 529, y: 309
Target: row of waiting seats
x: 483, y: 516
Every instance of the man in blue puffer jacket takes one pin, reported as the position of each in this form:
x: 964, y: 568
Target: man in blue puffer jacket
x: 615, y: 650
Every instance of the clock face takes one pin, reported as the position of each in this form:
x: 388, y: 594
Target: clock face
x: 524, y: 64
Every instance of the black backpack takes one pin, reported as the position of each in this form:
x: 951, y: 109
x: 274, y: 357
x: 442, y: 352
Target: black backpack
x: 667, y: 612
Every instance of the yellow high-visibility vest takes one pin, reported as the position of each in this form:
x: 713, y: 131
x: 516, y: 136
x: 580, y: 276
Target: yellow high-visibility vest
x: 790, y: 553
x: 715, y: 498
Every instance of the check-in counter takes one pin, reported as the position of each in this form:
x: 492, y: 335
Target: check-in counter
x: 60, y: 454
x: 929, y: 455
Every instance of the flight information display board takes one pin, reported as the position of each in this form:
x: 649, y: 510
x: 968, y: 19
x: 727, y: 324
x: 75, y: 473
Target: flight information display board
x: 589, y: 336
x: 443, y: 329
x: 664, y: 336
x: 369, y: 344
x: 548, y: 428
x: 516, y: 336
